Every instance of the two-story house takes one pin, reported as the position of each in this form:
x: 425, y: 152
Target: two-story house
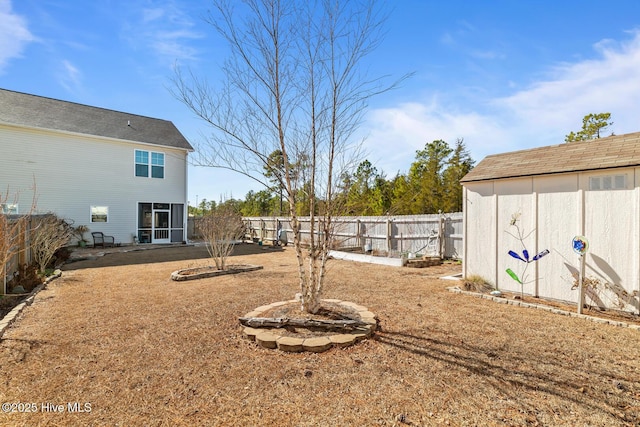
x: 115, y: 172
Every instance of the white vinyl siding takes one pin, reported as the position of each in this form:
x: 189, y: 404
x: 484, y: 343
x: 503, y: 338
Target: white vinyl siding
x: 67, y: 174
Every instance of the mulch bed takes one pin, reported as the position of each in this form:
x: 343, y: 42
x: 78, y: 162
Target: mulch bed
x: 7, y: 302
x: 144, y: 350
x: 211, y: 271
x: 328, y: 311
x: 615, y: 315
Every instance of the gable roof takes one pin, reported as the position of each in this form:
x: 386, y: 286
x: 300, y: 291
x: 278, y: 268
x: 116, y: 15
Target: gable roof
x: 603, y: 153
x: 33, y: 111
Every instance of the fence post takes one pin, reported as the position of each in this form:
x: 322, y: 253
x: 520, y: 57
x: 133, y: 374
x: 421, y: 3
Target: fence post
x: 22, y: 242
x: 441, y: 238
x: 389, y: 229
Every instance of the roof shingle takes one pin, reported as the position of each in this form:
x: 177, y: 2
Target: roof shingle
x: 23, y: 109
x: 603, y: 153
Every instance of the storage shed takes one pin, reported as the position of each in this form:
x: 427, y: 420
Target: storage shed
x: 553, y: 194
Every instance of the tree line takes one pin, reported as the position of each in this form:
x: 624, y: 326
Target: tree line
x: 432, y: 184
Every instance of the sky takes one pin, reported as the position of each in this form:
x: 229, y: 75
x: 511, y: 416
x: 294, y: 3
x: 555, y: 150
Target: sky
x: 504, y: 75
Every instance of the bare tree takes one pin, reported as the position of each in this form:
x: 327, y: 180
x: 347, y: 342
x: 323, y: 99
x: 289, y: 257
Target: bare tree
x: 294, y: 84
x: 221, y: 228
x: 52, y: 234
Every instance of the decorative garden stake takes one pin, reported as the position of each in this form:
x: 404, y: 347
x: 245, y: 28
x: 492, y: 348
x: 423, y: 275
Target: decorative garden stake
x: 580, y: 245
x: 522, y: 279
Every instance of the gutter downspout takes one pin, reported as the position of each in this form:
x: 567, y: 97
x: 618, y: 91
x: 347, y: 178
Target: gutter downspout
x: 581, y: 258
x: 185, y: 214
x: 637, y: 218
x: 536, y: 219
x: 496, y: 234
x: 464, y: 232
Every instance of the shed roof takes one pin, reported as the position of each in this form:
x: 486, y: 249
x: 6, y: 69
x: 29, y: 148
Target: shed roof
x: 603, y: 153
x: 23, y: 109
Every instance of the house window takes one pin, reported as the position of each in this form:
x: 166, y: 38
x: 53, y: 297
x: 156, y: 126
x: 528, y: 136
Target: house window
x: 142, y: 163
x: 9, y: 208
x: 157, y: 165
x: 608, y: 182
x: 149, y: 164
x: 99, y: 214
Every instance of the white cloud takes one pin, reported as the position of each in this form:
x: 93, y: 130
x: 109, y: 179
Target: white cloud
x: 540, y: 115
x: 487, y: 54
x: 607, y: 84
x: 165, y: 29
x: 70, y: 77
x: 172, y: 44
x: 396, y: 133
x: 149, y: 15
x: 14, y: 34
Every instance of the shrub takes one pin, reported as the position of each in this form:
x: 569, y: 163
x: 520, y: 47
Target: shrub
x: 221, y: 228
x: 50, y: 234
x: 60, y: 257
x: 604, y: 294
x: 476, y: 283
x: 27, y: 277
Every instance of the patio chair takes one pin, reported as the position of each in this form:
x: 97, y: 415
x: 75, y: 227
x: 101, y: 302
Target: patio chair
x: 99, y: 239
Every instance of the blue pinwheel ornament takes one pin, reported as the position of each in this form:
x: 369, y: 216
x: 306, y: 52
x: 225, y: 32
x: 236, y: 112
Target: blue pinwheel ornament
x: 580, y: 245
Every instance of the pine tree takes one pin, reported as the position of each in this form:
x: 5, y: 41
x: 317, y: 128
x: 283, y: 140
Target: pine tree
x: 458, y: 165
x: 592, y: 126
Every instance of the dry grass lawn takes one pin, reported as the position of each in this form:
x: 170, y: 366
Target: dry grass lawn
x: 118, y: 334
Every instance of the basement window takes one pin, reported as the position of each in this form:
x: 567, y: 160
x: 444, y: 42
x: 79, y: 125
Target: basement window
x: 99, y: 214
x: 608, y: 182
x: 9, y: 208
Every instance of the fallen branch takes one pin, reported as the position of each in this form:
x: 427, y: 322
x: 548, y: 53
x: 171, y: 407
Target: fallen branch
x: 281, y: 322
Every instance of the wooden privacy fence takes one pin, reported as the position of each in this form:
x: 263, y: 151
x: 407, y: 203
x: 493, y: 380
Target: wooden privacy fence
x: 16, y: 235
x: 407, y: 235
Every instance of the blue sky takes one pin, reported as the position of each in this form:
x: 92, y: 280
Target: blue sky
x: 504, y: 75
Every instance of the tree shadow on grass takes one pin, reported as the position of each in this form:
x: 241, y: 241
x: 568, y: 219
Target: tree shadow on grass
x: 511, y: 375
x: 147, y: 255
x: 17, y: 349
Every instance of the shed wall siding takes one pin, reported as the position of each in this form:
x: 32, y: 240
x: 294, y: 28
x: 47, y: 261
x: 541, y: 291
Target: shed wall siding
x: 611, y: 223
x: 480, y: 235
x: 554, y: 209
x: 72, y: 173
x: 514, y: 198
x: 556, y: 226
